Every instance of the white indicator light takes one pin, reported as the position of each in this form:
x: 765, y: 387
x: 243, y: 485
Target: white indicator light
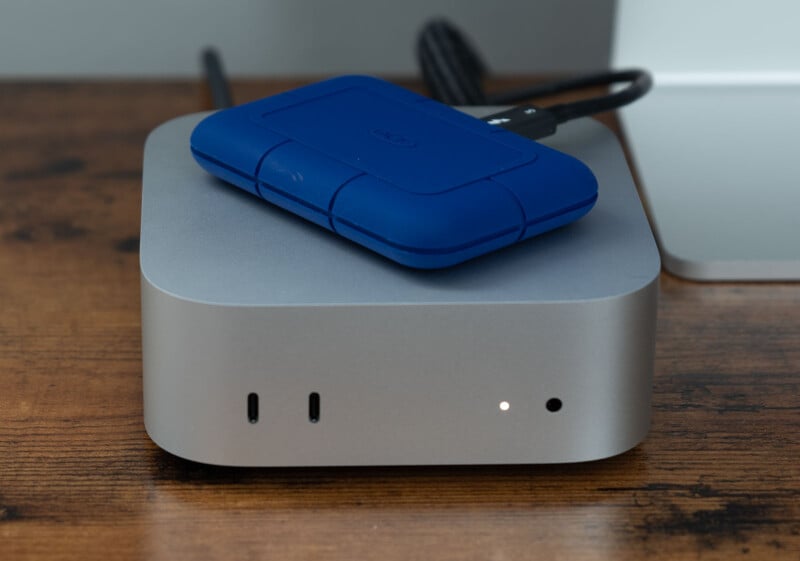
x: 505, y: 406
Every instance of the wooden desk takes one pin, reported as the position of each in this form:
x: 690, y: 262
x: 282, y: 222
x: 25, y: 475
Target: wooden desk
x: 717, y: 478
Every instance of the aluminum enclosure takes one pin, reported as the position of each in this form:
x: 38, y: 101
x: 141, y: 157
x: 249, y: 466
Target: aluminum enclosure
x: 538, y: 353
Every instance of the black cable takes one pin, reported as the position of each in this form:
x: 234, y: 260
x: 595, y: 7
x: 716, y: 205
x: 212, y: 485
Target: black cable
x: 216, y: 79
x: 538, y: 122
x: 450, y: 66
x: 454, y: 72
x: 639, y: 81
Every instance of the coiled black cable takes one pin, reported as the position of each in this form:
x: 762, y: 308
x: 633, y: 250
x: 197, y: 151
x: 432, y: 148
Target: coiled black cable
x: 451, y: 68
x: 454, y: 73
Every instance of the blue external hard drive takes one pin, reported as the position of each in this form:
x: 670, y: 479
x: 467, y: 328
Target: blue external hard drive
x: 410, y: 178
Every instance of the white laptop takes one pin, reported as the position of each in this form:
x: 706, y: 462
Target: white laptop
x: 717, y: 142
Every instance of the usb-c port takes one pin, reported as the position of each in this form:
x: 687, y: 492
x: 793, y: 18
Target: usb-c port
x: 252, y: 407
x: 313, y: 407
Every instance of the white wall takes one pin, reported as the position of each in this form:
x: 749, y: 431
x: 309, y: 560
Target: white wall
x: 51, y: 38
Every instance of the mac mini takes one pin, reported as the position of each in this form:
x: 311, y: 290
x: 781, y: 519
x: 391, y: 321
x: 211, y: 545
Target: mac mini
x: 268, y: 341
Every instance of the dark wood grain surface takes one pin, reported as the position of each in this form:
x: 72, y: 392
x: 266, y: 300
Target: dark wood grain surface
x: 717, y: 478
